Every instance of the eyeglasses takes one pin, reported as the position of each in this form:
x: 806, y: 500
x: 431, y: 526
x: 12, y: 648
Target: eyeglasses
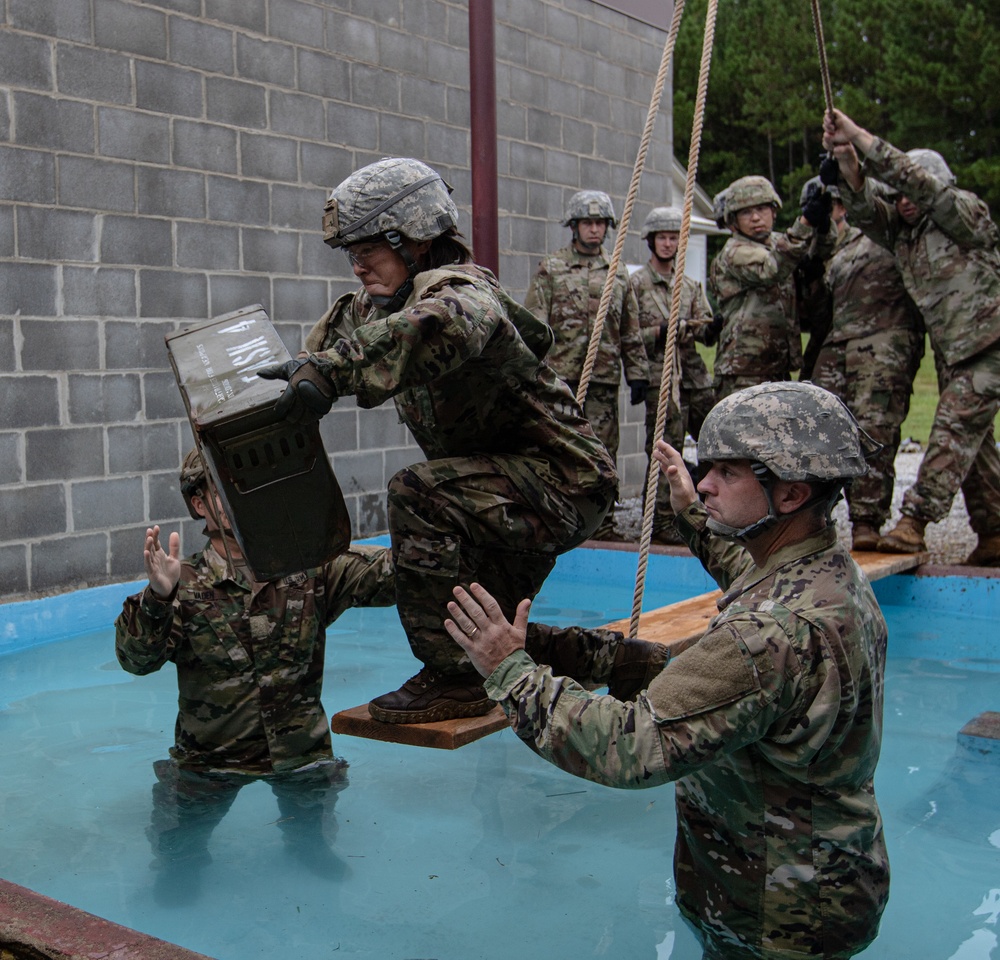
x: 363, y: 254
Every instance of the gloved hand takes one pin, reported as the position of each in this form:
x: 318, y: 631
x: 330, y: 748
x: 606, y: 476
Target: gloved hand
x: 308, y: 396
x: 829, y: 170
x: 817, y: 211
x: 639, y: 389
x: 714, y: 329
x: 637, y: 663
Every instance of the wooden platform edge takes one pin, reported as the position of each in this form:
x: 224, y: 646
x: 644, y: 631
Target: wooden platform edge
x: 677, y: 625
x: 680, y: 624
x: 441, y: 735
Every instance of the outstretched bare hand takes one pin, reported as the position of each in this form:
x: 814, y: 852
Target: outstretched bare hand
x: 162, y: 568
x: 479, y: 627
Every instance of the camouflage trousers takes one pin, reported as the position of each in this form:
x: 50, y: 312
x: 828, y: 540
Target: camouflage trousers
x: 961, y: 451
x: 694, y: 407
x: 189, y: 804
x: 456, y: 520
x: 874, y: 377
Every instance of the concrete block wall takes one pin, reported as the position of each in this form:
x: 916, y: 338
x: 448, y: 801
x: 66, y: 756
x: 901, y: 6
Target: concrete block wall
x: 164, y: 162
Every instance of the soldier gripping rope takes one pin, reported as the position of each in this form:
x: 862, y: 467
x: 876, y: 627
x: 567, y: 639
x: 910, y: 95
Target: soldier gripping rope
x: 869, y: 357
x: 565, y: 293
x: 945, y: 245
x: 514, y: 474
x: 250, y: 660
x: 770, y: 723
x: 751, y: 280
x: 653, y: 285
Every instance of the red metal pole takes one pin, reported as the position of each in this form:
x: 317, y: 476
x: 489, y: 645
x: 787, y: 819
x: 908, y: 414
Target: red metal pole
x: 483, y: 109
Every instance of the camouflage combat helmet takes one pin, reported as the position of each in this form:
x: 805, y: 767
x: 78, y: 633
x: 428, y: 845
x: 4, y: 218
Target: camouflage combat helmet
x: 590, y: 205
x: 661, y: 219
x: 399, y: 197
x: 193, y: 479
x: 933, y: 163
x: 813, y: 186
x: 789, y: 430
x: 749, y: 192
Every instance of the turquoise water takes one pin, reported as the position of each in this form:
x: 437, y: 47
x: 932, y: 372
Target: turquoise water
x: 486, y: 850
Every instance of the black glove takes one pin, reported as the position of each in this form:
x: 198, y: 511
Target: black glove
x: 637, y: 664
x: 639, y: 389
x: 829, y: 170
x: 308, y: 396
x: 714, y: 329
x: 817, y: 209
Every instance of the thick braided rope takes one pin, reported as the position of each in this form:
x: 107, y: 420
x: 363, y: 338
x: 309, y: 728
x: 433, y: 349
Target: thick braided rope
x: 633, y: 190
x: 669, y: 353
x: 824, y: 67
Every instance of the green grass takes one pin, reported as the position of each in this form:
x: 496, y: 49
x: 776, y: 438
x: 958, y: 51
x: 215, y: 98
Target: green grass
x: 917, y: 424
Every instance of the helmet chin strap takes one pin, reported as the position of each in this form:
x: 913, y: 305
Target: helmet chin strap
x: 590, y: 249
x: 744, y: 534
x: 396, y: 300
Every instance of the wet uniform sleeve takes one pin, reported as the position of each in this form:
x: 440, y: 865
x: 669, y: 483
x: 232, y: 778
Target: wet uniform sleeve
x: 145, y: 633
x: 362, y: 577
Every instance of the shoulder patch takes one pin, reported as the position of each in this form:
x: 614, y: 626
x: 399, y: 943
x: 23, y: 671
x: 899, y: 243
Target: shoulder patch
x: 712, y: 672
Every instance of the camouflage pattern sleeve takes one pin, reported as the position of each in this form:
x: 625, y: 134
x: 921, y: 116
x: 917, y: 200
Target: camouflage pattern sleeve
x: 144, y: 633
x: 634, y: 358
x: 960, y: 214
x: 447, y: 320
x: 699, y: 313
x: 539, y: 297
x: 339, y: 321
x: 760, y: 265
x: 361, y: 577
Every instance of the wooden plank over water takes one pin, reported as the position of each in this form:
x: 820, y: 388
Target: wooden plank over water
x: 441, y: 734
x: 677, y: 625
x: 680, y: 624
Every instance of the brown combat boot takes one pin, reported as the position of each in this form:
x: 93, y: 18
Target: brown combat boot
x: 865, y: 537
x: 429, y: 696
x: 906, y: 537
x: 987, y: 552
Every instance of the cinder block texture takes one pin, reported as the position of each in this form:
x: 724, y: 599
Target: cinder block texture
x: 164, y: 162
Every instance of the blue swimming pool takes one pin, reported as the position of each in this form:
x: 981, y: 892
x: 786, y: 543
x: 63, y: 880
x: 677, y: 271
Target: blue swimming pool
x: 486, y: 850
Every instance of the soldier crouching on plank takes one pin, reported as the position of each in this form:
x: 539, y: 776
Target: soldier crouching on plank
x: 514, y: 474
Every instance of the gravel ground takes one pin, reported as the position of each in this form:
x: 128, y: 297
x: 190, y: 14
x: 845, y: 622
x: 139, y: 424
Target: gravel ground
x: 950, y: 541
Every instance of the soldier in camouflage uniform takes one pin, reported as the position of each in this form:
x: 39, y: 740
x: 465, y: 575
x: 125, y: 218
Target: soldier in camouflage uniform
x: 653, y: 285
x: 751, y: 280
x: 565, y: 293
x: 770, y: 724
x: 249, y: 659
x: 945, y: 245
x: 869, y: 358
x: 514, y: 474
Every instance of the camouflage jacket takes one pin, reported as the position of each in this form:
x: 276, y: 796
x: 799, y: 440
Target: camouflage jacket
x: 249, y: 666
x: 753, y: 285
x: 948, y: 259
x: 770, y: 724
x: 866, y: 290
x: 463, y: 379
x: 565, y: 292
x: 653, y: 293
